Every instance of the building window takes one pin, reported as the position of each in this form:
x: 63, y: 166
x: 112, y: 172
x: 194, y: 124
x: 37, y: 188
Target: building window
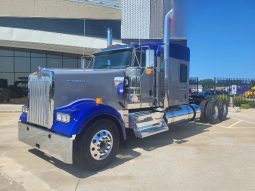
x: 22, y: 64
x: 70, y: 63
x: 6, y: 64
x: 38, y: 54
x: 93, y: 28
x: 6, y: 52
x: 54, y: 62
x: 16, y: 65
x: 37, y: 62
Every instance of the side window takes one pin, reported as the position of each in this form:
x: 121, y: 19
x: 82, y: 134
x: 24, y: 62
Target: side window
x: 183, y: 73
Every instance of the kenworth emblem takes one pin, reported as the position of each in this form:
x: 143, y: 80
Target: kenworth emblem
x: 76, y: 81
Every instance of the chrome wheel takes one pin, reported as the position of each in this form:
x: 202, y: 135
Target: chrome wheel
x: 216, y: 112
x: 101, y: 145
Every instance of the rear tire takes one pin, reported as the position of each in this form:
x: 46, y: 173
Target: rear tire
x: 203, y: 106
x: 98, y: 146
x: 223, y: 110
x: 213, y: 111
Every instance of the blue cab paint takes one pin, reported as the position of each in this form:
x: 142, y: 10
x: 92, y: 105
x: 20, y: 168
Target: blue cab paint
x: 23, y: 117
x: 177, y: 51
x: 120, y: 89
x: 81, y: 112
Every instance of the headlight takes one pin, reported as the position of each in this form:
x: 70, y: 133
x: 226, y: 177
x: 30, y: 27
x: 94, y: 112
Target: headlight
x: 64, y: 118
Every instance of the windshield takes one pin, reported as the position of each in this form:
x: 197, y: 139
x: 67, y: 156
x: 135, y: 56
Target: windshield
x: 112, y: 60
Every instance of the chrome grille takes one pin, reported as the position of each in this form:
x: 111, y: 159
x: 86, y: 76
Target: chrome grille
x: 41, y: 99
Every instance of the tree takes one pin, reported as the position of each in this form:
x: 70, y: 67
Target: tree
x: 207, y: 84
x: 252, y: 84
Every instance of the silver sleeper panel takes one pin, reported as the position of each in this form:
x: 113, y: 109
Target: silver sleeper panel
x: 57, y: 146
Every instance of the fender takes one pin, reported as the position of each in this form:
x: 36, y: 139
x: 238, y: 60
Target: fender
x: 23, y: 117
x: 83, y: 112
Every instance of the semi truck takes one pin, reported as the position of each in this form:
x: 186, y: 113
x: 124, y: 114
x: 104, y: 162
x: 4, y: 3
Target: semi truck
x: 82, y: 115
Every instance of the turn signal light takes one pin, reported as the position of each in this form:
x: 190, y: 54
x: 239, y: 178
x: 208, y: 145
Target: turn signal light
x: 99, y: 101
x: 148, y: 71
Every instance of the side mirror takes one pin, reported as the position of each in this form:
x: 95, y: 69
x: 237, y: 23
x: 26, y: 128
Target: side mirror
x: 150, y: 58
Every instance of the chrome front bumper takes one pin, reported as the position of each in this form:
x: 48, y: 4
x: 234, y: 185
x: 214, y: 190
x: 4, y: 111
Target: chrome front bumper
x: 57, y: 146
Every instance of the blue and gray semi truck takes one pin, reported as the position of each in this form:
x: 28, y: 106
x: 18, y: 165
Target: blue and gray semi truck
x: 81, y: 116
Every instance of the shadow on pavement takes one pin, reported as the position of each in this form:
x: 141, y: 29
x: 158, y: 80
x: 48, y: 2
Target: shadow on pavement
x: 178, y: 134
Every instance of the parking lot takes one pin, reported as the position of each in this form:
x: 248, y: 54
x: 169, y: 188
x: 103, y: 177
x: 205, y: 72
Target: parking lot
x: 191, y: 156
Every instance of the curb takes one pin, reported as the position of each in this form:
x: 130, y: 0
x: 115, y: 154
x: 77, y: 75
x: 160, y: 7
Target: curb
x: 10, y: 111
x: 10, y: 108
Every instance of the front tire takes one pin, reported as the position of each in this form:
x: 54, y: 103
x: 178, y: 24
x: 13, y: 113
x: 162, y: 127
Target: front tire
x: 98, y: 146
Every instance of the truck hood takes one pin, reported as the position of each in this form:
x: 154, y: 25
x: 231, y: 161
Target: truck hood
x: 73, y: 85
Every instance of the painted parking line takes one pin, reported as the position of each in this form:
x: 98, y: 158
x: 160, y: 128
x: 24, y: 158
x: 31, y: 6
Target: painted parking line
x: 221, y: 125
x: 250, y: 122
x: 234, y: 124
x: 231, y: 125
x: 253, y: 123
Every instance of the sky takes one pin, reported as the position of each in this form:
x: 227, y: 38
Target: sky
x: 221, y: 36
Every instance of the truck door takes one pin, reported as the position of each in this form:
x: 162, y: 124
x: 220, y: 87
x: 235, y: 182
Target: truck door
x: 147, y: 78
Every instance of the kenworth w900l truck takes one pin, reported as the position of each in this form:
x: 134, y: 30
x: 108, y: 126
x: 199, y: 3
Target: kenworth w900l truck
x: 83, y: 115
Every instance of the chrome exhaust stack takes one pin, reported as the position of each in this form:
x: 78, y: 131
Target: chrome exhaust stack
x: 167, y: 54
